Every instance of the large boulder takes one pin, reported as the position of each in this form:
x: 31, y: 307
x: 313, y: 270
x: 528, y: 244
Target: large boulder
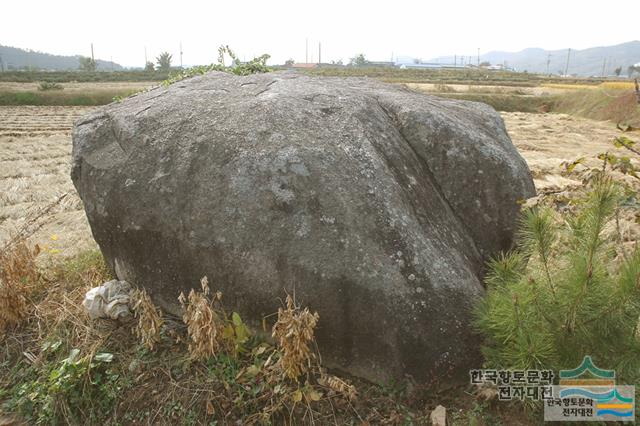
x: 372, y: 204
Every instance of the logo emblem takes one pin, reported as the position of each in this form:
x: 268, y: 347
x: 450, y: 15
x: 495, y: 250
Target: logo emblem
x: 590, y: 393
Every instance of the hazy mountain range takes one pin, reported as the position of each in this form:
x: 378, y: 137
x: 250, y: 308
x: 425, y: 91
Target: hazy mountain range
x: 586, y: 62
x: 12, y: 58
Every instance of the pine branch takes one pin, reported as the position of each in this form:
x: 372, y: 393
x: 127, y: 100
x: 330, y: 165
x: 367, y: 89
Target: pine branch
x: 536, y: 303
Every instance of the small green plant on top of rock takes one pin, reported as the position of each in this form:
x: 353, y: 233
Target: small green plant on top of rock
x: 563, y: 293
x: 254, y: 66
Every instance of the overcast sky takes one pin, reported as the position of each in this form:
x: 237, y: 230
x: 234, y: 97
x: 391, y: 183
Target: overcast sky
x: 423, y: 29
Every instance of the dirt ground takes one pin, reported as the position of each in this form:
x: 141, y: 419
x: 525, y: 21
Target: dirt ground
x: 35, y: 148
x: 467, y: 88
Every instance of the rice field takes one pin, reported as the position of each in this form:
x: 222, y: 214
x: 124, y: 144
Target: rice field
x: 35, y: 155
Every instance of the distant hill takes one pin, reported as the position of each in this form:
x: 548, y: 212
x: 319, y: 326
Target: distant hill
x: 587, y: 62
x: 12, y: 58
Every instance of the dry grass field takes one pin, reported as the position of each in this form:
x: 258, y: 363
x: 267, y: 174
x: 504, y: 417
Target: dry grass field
x: 80, y: 88
x: 35, y: 147
x: 68, y: 93
x: 486, y: 89
x: 546, y: 140
x: 35, y: 155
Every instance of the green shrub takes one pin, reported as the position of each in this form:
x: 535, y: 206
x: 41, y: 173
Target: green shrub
x: 74, y: 390
x: 564, y: 293
x: 49, y: 85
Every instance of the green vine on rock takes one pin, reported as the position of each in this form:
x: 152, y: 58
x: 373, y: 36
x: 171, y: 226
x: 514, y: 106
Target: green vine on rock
x: 255, y: 66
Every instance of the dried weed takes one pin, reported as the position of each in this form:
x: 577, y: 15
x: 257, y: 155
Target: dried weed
x: 18, y: 278
x: 205, y: 325
x: 294, y: 333
x: 150, y: 319
x: 338, y: 385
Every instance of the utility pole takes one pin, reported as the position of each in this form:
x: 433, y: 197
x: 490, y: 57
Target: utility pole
x: 306, y: 51
x: 478, y: 57
x: 455, y: 60
x: 111, y: 63
x: 1, y: 64
x: 180, y: 55
x: 145, y: 57
x: 604, y: 64
x: 319, y: 53
x: 548, y: 63
x: 566, y: 68
x: 92, y: 58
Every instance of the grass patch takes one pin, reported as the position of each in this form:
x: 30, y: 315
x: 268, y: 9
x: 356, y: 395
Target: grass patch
x: 62, y: 98
x: 507, y: 102
x: 412, y: 75
x: 60, y: 367
x: 450, y: 76
x: 617, y: 105
x: 81, y: 76
x: 595, y: 102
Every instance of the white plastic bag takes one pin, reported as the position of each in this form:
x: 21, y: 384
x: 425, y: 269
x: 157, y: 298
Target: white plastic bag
x: 110, y: 300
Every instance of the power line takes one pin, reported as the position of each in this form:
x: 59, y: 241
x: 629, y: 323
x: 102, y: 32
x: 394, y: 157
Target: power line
x: 548, y: 63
